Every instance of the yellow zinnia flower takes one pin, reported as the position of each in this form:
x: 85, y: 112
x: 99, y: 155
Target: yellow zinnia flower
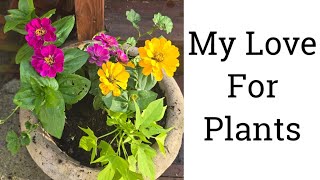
x: 112, y: 77
x: 159, y: 55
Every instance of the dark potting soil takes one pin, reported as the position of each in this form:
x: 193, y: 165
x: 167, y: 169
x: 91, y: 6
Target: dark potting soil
x: 83, y: 115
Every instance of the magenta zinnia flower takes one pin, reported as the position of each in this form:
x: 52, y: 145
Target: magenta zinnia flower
x: 48, y: 61
x: 40, y: 31
x: 98, y: 54
x: 107, y: 40
x: 121, y: 56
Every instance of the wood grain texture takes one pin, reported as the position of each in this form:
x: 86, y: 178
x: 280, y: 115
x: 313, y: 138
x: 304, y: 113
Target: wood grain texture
x: 89, y: 18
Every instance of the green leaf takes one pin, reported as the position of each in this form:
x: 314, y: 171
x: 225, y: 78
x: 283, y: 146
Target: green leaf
x: 73, y: 87
x: 160, y: 140
x: 74, y: 59
x: 139, y: 119
x: 116, y: 103
x: 97, y: 102
x: 154, y: 112
x: 25, y: 98
x: 24, y: 54
x: 51, y: 113
x: 106, y: 148
x: 27, y: 72
x: 13, y: 143
x: 25, y: 139
x: 63, y: 28
x: 144, y: 82
x: 143, y: 98
x: 132, y: 41
x: 107, y: 173
x: 89, y: 142
x: 133, y: 17
x: 163, y: 22
x: 132, y: 163
x: 153, y: 129
x: 26, y: 6
x: 145, y: 161
x: 49, y: 13
x: 31, y: 127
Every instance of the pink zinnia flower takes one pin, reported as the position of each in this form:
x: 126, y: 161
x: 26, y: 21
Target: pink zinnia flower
x: 107, y: 40
x: 121, y: 56
x: 48, y: 61
x: 40, y: 31
x: 98, y: 54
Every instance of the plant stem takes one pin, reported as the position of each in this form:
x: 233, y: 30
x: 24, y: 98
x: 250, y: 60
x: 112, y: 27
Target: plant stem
x: 2, y: 121
x: 115, y: 137
x: 108, y: 134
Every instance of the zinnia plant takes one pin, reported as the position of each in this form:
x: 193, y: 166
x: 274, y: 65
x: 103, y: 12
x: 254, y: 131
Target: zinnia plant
x: 122, y: 84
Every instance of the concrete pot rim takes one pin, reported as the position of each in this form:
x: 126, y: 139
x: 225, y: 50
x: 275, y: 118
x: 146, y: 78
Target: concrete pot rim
x: 58, y: 165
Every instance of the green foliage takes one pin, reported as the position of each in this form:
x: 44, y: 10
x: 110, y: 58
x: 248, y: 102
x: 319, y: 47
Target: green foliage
x: 142, y: 98
x: 146, y: 166
x: 26, y: 5
x: 134, y: 18
x: 153, y: 113
x: 135, y: 133
x: 51, y: 113
x: 63, y: 27
x: 131, y: 41
x: 49, y: 13
x: 74, y: 59
x: 13, y: 143
x: 116, y: 103
x: 27, y: 72
x: 139, y: 81
x: 163, y: 22
x: 89, y: 143
x: 18, y: 18
x: 73, y: 87
x: 24, y: 53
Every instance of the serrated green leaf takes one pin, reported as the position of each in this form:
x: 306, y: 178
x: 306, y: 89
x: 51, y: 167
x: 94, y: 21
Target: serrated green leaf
x: 73, y: 87
x: 13, y: 143
x: 133, y: 17
x: 163, y: 22
x: 63, y: 27
x: 132, y: 41
x: 145, y: 161
x: 24, y: 54
x: 52, y: 113
x: 25, y: 139
x: 74, y: 59
x: 49, y: 13
x: 160, y: 141
x: 107, y: 173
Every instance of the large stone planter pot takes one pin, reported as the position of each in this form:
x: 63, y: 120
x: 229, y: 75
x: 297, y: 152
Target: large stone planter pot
x: 59, y: 166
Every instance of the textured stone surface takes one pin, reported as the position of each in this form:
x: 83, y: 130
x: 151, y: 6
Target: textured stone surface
x: 20, y: 166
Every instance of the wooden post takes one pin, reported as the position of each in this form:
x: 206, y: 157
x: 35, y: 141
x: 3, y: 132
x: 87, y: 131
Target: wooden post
x: 89, y: 18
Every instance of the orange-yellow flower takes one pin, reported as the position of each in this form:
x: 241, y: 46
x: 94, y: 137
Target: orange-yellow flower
x: 113, y: 76
x: 159, y: 56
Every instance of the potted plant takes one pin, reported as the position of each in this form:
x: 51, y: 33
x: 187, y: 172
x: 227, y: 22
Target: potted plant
x: 121, y: 80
